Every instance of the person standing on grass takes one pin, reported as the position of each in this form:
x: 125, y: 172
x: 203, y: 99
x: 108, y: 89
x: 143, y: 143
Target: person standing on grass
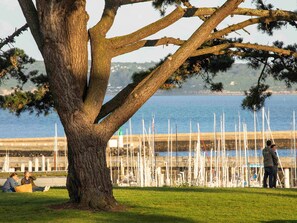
x: 11, y: 183
x: 269, y: 158
x: 275, y: 164
x: 28, y: 179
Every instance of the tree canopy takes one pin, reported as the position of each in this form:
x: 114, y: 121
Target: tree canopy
x: 277, y: 60
x: 14, y: 64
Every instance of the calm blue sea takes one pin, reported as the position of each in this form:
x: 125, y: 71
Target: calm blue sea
x: 180, y: 110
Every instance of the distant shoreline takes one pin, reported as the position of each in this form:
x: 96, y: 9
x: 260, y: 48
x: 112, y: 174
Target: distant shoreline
x: 170, y: 93
x: 215, y: 93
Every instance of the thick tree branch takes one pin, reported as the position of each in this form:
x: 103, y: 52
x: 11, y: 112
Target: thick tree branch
x: 187, y: 4
x: 116, y: 101
x: 107, y: 18
x: 99, y: 75
x: 127, y: 2
x: 31, y: 16
x: 178, y: 42
x: 246, y: 23
x: 147, y: 43
x: 120, y: 98
x: 214, y: 35
x: 239, y: 11
x: 161, y: 74
x: 234, y: 28
x: 218, y: 48
x: 149, y: 29
x: 191, y: 12
x: 100, y: 60
x: 273, y: 49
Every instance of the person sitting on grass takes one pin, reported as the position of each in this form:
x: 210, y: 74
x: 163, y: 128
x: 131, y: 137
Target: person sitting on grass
x: 28, y: 179
x: 11, y: 183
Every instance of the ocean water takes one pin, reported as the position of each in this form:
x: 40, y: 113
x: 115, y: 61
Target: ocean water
x: 180, y: 110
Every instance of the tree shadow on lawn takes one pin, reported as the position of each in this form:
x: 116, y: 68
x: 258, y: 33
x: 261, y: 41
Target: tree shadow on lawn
x: 280, y: 221
x: 23, y: 207
x: 131, y: 217
x: 250, y: 190
x: 275, y: 192
x: 39, y: 198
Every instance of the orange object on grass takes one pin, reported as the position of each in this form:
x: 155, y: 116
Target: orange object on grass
x: 24, y: 188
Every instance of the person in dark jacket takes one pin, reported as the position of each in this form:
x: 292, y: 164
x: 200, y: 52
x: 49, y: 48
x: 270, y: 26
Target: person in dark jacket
x: 10, y: 183
x: 269, y: 158
x: 28, y: 179
x: 275, y: 164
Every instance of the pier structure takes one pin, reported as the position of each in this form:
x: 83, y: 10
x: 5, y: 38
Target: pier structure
x: 21, y: 146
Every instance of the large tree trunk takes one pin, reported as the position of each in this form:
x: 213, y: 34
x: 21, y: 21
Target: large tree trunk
x: 88, y: 181
x: 63, y: 26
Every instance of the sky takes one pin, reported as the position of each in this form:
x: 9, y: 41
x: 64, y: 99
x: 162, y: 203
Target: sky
x: 133, y: 17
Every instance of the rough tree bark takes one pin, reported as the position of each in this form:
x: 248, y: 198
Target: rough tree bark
x: 65, y: 37
x: 88, y: 180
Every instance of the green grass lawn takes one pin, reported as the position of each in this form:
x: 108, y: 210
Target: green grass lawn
x: 160, y: 205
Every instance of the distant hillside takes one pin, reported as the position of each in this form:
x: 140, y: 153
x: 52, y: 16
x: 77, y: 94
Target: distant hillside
x: 239, y: 78
x: 236, y: 80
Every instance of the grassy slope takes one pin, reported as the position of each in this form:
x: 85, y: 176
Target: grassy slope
x: 161, y: 205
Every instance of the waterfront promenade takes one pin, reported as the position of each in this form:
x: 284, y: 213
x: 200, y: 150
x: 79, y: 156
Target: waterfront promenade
x: 284, y: 139
x: 22, y: 151
x: 37, y: 154
x: 45, y: 181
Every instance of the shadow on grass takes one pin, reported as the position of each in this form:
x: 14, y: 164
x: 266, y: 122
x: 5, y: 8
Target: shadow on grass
x: 143, y: 218
x: 23, y: 207
x: 280, y: 221
x: 203, y: 189
x: 103, y: 217
x: 278, y: 192
x: 248, y: 190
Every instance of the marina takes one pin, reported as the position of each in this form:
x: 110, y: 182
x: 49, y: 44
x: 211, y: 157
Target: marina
x: 217, y: 159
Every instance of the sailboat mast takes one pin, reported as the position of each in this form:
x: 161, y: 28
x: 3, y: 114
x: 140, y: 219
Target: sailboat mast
x: 190, y: 156
x: 294, y: 144
x: 56, y: 147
